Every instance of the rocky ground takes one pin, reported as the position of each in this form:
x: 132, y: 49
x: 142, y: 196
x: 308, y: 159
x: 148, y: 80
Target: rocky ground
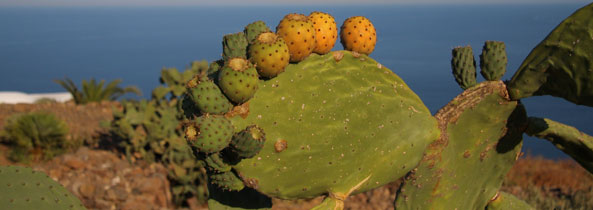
x: 106, y: 180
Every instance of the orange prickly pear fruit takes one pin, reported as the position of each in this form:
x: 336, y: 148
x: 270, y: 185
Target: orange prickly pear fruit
x: 326, y: 31
x: 358, y: 34
x: 299, y: 35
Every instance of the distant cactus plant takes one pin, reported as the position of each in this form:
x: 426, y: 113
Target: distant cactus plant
x: 35, y: 135
x: 96, y: 92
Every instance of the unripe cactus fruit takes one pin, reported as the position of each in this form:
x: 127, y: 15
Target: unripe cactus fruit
x: 249, y: 141
x: 234, y: 46
x: 270, y: 54
x: 299, y: 35
x: 326, y: 31
x: 358, y: 34
x: 209, y: 133
x: 464, y: 66
x: 207, y: 96
x: 254, y: 29
x: 238, y: 79
x: 493, y: 60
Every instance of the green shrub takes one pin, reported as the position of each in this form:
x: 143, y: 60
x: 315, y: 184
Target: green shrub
x: 96, y: 92
x: 34, y: 135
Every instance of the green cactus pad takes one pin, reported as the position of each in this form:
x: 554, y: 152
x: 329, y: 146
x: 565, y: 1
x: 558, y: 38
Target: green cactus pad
x: 506, y: 201
x: 234, y: 46
x: 254, y: 29
x: 25, y: 189
x: 238, y: 79
x: 562, y: 64
x: 493, y: 60
x: 248, y: 142
x: 226, y: 181
x: 210, y: 133
x: 208, y: 97
x: 216, y: 163
x: 481, y: 132
x: 567, y: 138
x: 337, y: 123
x: 464, y: 66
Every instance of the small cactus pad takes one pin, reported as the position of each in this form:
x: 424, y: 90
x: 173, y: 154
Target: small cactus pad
x: 506, y: 201
x: 234, y: 46
x: 216, y: 163
x: 562, y: 64
x: 209, y: 133
x: 326, y: 31
x: 464, y: 67
x: 22, y: 188
x: 358, y: 34
x: 567, y: 138
x: 270, y: 54
x: 207, y: 96
x: 493, y: 60
x: 481, y: 132
x: 314, y: 146
x: 249, y: 141
x: 254, y: 29
x: 299, y: 35
x: 238, y: 79
x: 226, y: 181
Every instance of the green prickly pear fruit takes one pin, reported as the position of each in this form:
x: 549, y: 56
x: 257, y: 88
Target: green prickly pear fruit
x: 254, y: 29
x: 216, y: 163
x: 238, y: 79
x: 227, y: 181
x: 207, y: 96
x: 24, y: 188
x: 493, y: 60
x: 299, y: 34
x: 249, y: 141
x: 234, y: 46
x: 209, y: 133
x: 270, y: 54
x: 464, y: 66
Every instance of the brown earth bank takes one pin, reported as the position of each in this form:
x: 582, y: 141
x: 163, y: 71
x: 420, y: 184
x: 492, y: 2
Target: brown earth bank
x: 106, y: 180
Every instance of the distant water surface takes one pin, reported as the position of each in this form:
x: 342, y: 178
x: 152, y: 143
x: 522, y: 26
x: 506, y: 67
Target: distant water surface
x: 38, y: 45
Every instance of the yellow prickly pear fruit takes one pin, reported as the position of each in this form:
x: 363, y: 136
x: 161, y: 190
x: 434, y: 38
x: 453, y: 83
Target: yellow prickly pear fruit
x: 326, y: 31
x: 358, y: 34
x: 299, y: 35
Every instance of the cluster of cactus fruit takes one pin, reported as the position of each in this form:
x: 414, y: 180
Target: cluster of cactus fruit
x: 282, y: 116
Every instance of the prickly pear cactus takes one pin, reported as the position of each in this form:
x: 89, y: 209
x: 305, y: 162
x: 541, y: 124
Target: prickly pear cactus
x: 358, y: 34
x: 326, y: 31
x: 493, y: 60
x: 25, y: 189
x: 464, y: 66
x: 480, y: 140
x: 562, y: 64
x: 270, y: 54
x: 353, y: 126
x: 254, y: 29
x: 299, y: 35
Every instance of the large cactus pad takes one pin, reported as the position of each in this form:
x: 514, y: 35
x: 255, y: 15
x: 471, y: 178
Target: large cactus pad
x: 335, y: 124
x: 562, y: 64
x: 480, y: 140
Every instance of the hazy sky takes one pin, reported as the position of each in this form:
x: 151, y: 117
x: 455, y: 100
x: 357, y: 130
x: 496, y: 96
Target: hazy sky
x: 260, y: 2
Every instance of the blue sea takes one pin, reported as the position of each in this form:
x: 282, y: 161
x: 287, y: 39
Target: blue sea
x: 40, y: 44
